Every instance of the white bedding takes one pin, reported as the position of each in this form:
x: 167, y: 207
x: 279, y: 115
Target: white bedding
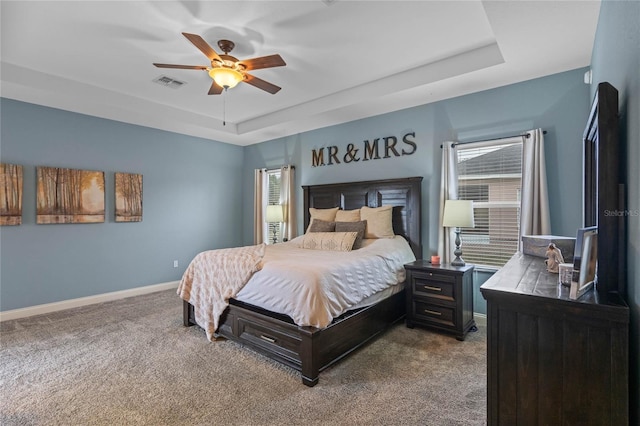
x: 315, y: 286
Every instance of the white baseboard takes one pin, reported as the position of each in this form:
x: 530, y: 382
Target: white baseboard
x: 83, y: 301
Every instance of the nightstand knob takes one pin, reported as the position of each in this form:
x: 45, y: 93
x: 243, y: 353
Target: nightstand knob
x: 430, y: 274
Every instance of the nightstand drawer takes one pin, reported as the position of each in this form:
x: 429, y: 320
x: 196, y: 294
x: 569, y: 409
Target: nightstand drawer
x: 434, y: 313
x: 428, y: 287
x: 434, y: 276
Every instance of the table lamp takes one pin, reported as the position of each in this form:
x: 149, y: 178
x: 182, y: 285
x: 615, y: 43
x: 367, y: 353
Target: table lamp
x: 458, y: 214
x: 274, y: 214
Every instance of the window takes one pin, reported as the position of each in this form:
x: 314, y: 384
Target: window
x: 273, y: 198
x: 491, y: 176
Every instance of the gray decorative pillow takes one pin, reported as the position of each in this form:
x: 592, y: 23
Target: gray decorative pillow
x: 358, y: 227
x: 321, y: 226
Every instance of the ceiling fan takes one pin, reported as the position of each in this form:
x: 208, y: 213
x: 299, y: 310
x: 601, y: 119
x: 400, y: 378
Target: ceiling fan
x: 226, y: 70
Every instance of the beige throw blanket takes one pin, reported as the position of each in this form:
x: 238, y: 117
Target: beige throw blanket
x: 215, y: 276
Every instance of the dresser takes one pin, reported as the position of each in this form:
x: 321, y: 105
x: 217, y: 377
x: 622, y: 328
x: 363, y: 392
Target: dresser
x: 552, y: 360
x: 440, y: 297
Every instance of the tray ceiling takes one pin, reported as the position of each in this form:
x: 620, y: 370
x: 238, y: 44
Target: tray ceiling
x: 345, y: 59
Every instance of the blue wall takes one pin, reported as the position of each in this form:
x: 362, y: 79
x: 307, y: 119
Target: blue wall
x: 188, y: 205
x: 559, y: 104
x: 616, y: 59
x: 186, y: 179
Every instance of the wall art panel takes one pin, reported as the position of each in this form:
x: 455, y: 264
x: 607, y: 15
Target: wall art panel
x: 128, y: 197
x: 69, y: 196
x: 10, y: 194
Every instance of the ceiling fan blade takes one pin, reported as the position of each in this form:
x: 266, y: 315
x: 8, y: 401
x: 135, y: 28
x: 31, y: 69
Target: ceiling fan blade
x: 184, y: 67
x: 261, y: 84
x: 263, y: 62
x: 203, y: 46
x: 214, y: 89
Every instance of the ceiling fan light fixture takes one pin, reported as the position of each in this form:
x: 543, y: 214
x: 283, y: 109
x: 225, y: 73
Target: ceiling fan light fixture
x: 225, y: 77
x: 226, y: 71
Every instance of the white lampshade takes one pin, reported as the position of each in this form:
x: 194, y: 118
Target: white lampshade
x: 458, y: 214
x: 274, y: 214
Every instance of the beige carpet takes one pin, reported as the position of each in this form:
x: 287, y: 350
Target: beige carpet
x: 131, y: 362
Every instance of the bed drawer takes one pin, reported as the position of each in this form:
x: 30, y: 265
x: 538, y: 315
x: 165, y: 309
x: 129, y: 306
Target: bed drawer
x: 267, y: 337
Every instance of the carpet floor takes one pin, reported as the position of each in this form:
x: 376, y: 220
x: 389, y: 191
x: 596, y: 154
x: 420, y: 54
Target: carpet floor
x: 131, y: 362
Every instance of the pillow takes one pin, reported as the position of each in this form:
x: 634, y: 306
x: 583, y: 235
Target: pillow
x: 321, y: 226
x: 358, y: 227
x: 378, y: 220
x: 336, y: 241
x: 328, y: 215
x: 348, y: 215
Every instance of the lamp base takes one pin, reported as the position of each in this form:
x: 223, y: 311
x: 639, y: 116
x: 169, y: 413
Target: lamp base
x: 275, y: 237
x: 458, y: 261
x: 458, y: 251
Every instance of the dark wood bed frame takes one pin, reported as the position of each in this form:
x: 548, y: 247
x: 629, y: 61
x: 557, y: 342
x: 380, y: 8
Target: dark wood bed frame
x: 308, y: 349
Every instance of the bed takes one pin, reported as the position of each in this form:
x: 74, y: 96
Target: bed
x: 311, y: 349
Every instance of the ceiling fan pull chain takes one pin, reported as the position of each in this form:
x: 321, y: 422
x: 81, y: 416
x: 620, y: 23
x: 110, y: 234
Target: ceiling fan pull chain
x: 224, y: 107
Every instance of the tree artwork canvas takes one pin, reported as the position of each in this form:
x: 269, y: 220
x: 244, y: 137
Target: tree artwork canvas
x: 10, y: 194
x: 69, y: 196
x: 128, y: 197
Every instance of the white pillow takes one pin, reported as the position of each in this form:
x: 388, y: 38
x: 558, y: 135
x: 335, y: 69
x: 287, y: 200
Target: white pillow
x: 328, y: 215
x: 379, y: 222
x: 348, y: 215
x: 336, y: 241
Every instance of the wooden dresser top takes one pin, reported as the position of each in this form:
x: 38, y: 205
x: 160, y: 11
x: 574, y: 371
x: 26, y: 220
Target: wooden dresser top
x: 526, y: 276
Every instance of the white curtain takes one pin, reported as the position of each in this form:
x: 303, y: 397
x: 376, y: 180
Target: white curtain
x: 448, y: 191
x: 534, y: 211
x: 287, y: 200
x: 259, y: 201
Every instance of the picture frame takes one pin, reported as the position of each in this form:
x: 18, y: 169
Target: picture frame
x: 128, y: 197
x: 69, y: 195
x: 11, y: 182
x: 585, y: 262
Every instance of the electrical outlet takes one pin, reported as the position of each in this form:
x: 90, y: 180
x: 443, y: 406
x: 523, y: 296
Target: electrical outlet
x: 175, y: 263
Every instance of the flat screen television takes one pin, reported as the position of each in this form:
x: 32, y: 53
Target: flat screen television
x: 603, y: 191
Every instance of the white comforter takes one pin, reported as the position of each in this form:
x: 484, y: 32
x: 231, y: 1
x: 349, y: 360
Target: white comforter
x: 315, y: 286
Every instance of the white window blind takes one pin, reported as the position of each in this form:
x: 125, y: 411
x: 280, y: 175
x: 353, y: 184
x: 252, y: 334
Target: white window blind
x: 491, y: 176
x: 273, y: 198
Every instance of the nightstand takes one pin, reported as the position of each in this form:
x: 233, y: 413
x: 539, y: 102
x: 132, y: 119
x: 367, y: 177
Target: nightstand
x: 440, y: 297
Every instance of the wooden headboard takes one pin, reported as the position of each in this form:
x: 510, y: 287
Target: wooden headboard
x: 403, y: 194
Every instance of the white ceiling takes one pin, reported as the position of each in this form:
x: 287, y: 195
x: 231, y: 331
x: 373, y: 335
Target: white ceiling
x: 345, y: 59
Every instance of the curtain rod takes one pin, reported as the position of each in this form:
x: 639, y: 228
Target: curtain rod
x: 526, y: 135
x: 288, y: 166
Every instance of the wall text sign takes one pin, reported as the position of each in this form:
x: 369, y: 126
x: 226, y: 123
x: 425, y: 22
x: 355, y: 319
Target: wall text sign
x: 378, y: 148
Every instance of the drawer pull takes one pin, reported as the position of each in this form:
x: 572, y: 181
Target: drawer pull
x: 267, y: 338
x: 433, y: 312
x: 428, y: 287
